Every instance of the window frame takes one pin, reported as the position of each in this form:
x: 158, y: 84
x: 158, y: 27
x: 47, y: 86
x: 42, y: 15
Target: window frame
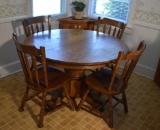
x: 130, y: 14
x: 87, y: 11
x: 30, y: 10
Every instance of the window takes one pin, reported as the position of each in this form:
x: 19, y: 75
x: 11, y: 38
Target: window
x: 114, y: 9
x: 47, y: 7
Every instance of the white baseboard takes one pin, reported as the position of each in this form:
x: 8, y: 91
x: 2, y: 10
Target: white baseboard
x: 145, y: 71
x: 10, y: 69
x: 16, y: 66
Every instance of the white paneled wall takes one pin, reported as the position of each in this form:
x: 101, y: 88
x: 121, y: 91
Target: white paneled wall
x: 146, y: 13
x: 148, y: 62
x: 8, y: 55
x: 9, y: 62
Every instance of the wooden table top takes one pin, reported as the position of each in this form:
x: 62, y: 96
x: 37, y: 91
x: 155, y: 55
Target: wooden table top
x: 77, y: 49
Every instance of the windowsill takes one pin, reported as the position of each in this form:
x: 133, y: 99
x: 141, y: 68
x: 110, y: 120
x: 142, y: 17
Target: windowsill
x: 59, y: 16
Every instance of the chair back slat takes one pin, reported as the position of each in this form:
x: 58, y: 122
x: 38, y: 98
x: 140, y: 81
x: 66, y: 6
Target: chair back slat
x: 129, y: 60
x: 36, y: 24
x: 118, y: 30
x: 119, y: 33
x: 104, y: 29
x: 114, y: 31
x: 30, y: 56
x: 37, y: 28
x: 28, y: 69
x: 32, y: 29
x: 35, y: 69
x: 42, y: 26
x: 23, y: 65
x: 109, y: 30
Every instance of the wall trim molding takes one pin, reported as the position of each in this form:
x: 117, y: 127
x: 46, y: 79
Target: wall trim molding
x: 14, y: 19
x: 148, y: 25
x: 143, y: 71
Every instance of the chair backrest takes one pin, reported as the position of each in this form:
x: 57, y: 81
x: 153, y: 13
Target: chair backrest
x: 111, y: 27
x: 29, y: 57
x: 129, y: 60
x: 36, y: 24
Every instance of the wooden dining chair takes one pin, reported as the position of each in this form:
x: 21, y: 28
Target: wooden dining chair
x: 36, y: 24
x: 111, y: 27
x: 42, y: 80
x: 111, y: 84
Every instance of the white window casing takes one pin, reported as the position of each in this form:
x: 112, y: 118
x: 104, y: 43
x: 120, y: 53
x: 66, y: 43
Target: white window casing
x: 63, y: 8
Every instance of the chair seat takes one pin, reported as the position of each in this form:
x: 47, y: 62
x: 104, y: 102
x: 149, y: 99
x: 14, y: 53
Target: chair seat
x: 55, y: 80
x: 101, y: 84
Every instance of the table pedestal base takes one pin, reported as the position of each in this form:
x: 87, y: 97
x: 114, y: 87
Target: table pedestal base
x: 77, y: 82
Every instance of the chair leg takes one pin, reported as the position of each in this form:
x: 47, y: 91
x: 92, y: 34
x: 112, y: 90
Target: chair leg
x: 69, y: 99
x: 83, y: 99
x: 42, y: 111
x: 125, y: 102
x: 110, y: 113
x: 25, y: 98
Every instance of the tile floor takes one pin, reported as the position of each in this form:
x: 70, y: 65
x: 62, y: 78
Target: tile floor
x: 143, y: 101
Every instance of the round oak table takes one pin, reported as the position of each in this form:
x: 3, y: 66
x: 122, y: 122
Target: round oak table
x: 76, y: 51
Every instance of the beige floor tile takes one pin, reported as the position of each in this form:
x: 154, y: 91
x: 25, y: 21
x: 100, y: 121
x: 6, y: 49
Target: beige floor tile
x: 143, y: 97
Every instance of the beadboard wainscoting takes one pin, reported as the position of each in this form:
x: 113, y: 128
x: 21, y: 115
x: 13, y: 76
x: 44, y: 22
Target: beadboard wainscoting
x: 149, y: 60
x: 9, y: 61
